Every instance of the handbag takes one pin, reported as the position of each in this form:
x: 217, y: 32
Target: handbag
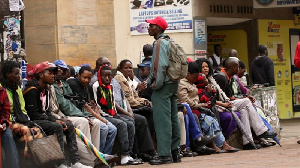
x: 45, y: 150
x: 76, y: 100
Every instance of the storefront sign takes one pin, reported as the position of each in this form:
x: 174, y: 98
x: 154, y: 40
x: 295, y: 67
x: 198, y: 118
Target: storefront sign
x: 275, y: 3
x: 177, y: 14
x: 275, y: 35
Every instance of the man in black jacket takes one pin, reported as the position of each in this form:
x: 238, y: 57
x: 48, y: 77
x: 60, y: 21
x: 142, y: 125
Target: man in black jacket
x: 263, y: 68
x: 36, y: 98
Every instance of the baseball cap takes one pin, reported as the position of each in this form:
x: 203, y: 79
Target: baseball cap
x: 61, y: 63
x: 160, y: 21
x: 44, y: 66
x: 145, y: 64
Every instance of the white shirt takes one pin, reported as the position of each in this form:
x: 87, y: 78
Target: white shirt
x: 217, y: 59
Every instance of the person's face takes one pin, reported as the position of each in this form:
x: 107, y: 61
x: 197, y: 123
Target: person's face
x: 205, y: 69
x: 153, y: 30
x: 127, y: 69
x: 192, y: 78
x: 235, y: 68
x: 241, y: 72
x: 48, y: 76
x: 85, y: 77
x: 145, y: 71
x: 14, y: 76
x: 61, y: 73
x: 106, y: 76
x: 218, y: 51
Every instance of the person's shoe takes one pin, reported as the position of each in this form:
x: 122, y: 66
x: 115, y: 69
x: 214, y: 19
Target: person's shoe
x: 62, y: 166
x: 249, y: 146
x: 187, y: 153
x: 158, y: 160
x: 145, y: 157
x: 79, y: 165
x: 268, y: 134
x: 176, y: 156
x: 204, y: 150
x: 298, y: 142
x: 128, y: 160
x: 205, y: 140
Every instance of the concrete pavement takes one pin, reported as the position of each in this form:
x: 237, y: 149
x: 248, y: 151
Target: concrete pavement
x: 287, y: 156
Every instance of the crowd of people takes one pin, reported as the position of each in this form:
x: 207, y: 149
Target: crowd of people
x: 151, y: 117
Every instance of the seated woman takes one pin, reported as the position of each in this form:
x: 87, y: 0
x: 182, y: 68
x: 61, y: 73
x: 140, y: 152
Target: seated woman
x: 139, y: 105
x: 208, y: 95
x: 187, y: 92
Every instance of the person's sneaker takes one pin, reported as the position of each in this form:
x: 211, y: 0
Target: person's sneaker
x: 79, y: 165
x: 268, y: 134
x: 158, y: 160
x: 62, y: 166
x: 128, y: 160
x: 249, y: 146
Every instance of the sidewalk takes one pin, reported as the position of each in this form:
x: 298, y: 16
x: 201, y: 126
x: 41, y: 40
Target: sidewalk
x: 287, y: 156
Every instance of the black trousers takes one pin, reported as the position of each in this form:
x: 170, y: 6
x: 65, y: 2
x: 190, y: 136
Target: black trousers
x: 142, y: 138
x: 51, y: 128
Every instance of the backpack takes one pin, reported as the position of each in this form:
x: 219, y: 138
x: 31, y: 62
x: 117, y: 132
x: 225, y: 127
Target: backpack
x: 178, y: 65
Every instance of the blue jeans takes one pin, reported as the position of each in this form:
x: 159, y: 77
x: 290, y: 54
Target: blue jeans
x: 191, y: 126
x: 10, y: 149
x: 107, y: 137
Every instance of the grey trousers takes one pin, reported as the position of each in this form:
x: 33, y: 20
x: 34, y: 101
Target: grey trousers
x: 249, y: 118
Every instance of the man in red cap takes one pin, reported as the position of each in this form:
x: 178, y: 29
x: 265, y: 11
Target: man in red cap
x: 164, y: 97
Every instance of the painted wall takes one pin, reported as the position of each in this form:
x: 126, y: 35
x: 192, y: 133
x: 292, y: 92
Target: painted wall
x: 128, y: 46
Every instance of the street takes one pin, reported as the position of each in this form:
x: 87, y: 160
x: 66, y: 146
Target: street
x: 286, y: 156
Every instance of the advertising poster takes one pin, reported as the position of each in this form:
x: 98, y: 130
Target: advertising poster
x: 200, y: 36
x: 229, y: 39
x: 275, y: 35
x: 275, y: 3
x: 178, y: 14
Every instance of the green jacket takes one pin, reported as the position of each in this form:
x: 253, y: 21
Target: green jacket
x: 11, y: 102
x: 160, y: 78
x: 65, y: 105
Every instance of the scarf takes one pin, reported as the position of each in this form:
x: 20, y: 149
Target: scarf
x: 104, y: 94
x: 18, y: 115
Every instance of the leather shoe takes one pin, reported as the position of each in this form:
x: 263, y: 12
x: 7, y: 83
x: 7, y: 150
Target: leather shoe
x: 204, y: 150
x: 268, y: 134
x: 249, y: 146
x: 158, y: 160
x: 187, y: 153
x: 176, y: 156
x: 205, y: 140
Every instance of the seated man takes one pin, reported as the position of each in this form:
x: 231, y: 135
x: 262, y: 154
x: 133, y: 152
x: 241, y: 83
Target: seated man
x: 101, y: 132
x: 7, y: 140
x: 144, y: 73
x: 249, y: 116
x: 188, y: 92
x: 37, y: 105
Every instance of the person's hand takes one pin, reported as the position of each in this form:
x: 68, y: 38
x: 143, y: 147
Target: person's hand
x: 90, y: 121
x: 3, y: 127
x: 228, y: 104
x: 184, y: 110
x: 142, y: 86
x: 131, y: 115
x: 147, y: 103
x: 208, y: 88
x: 63, y: 124
x: 104, y: 121
x: 252, y: 99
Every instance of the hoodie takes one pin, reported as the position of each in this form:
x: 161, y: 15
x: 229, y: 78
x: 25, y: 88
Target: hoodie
x: 263, y: 70
x: 33, y: 102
